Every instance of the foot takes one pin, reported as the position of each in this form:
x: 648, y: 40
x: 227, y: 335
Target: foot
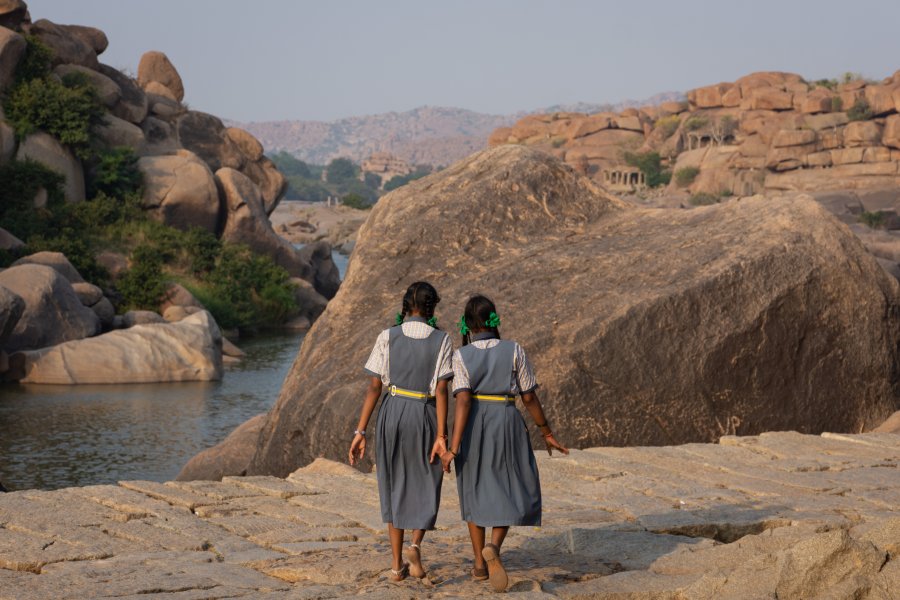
x: 414, y: 556
x: 479, y: 573
x: 400, y: 574
x: 496, y: 572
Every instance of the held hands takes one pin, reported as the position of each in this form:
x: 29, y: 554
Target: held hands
x: 447, y: 458
x: 438, y: 451
x: 357, y: 448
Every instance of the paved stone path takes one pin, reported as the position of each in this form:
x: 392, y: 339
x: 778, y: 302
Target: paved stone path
x: 779, y: 515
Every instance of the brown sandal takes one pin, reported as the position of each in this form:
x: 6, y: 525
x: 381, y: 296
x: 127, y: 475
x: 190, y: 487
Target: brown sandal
x: 496, y: 572
x: 479, y: 574
x: 414, y: 556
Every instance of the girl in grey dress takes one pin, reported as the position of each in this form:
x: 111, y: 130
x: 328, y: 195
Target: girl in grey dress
x: 412, y: 362
x: 496, y: 473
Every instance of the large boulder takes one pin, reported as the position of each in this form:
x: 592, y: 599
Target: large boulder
x: 327, y: 278
x: 646, y: 326
x: 246, y: 223
x: 12, y: 48
x: 56, y: 261
x: 132, y: 105
x: 12, y: 13
x: 271, y: 183
x: 230, y: 457
x: 156, y: 66
x: 53, y: 313
x: 180, y: 191
x: 204, y: 135
x: 67, y: 46
x: 45, y: 149
x: 113, y: 132
x: 11, y: 308
x: 189, y: 350
x: 91, y: 36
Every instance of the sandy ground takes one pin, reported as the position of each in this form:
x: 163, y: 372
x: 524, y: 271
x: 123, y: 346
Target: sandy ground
x: 306, y: 222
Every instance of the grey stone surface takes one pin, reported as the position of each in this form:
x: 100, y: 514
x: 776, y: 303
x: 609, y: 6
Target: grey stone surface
x: 736, y: 520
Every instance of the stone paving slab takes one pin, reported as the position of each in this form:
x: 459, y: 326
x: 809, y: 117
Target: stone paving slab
x: 780, y: 515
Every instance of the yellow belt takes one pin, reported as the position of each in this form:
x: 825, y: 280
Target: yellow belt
x: 494, y: 398
x: 395, y: 391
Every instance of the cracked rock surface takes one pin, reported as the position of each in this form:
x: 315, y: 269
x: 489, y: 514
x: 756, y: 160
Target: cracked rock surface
x: 780, y: 515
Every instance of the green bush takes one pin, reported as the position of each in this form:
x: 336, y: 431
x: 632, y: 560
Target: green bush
x: 65, y: 110
x: 686, y: 176
x: 828, y: 84
x: 695, y: 123
x: 36, y: 62
x: 650, y: 164
x: 837, y: 104
x: 355, y: 201
x: 115, y: 173
x: 860, y: 111
x: 373, y: 180
x: 245, y: 289
x: 143, y: 285
x: 340, y: 170
x: 19, y: 183
x: 703, y: 199
x: 875, y: 220
x: 667, y: 126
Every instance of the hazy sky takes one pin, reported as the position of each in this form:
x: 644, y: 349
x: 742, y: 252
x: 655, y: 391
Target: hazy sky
x: 326, y: 59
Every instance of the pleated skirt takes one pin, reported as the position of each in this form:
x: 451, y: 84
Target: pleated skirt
x: 408, y: 486
x: 496, y: 472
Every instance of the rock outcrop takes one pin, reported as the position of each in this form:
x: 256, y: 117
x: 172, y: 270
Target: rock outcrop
x: 53, y: 313
x: 155, y: 67
x: 767, y: 131
x: 180, y: 191
x: 12, y: 48
x: 232, y: 455
x: 776, y: 516
x: 45, y: 149
x: 189, y: 350
x: 645, y: 326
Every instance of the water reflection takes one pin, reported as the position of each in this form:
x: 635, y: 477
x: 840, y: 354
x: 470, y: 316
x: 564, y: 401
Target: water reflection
x: 59, y: 436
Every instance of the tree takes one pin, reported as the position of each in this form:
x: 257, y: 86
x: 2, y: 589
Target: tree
x: 290, y: 165
x: 340, y: 170
x: 373, y: 180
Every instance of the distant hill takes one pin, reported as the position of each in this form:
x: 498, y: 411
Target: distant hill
x: 431, y: 135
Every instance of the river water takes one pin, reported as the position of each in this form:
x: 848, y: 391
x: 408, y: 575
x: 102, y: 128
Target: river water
x: 60, y: 436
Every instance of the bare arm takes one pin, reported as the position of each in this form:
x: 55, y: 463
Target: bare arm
x: 461, y: 416
x: 440, y: 442
x: 358, y: 445
x: 533, y: 405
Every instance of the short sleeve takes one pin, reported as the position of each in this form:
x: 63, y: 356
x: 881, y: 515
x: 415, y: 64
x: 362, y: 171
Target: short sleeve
x: 445, y: 360
x: 376, y: 366
x: 524, y: 372
x: 460, y: 375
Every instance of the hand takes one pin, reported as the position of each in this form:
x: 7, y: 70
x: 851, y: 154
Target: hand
x: 447, y: 458
x: 440, y: 446
x: 357, y: 448
x: 552, y: 443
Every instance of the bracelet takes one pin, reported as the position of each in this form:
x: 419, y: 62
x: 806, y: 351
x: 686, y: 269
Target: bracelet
x: 547, y: 435
x: 358, y: 432
x: 541, y: 425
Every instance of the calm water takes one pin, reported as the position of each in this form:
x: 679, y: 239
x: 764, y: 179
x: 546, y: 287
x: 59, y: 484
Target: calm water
x: 60, y: 436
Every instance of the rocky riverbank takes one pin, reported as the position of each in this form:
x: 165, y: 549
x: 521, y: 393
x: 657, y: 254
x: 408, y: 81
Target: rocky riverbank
x: 309, y: 222
x: 779, y: 515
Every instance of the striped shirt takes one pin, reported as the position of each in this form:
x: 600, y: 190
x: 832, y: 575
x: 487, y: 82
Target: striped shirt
x: 521, y: 379
x: 379, y: 364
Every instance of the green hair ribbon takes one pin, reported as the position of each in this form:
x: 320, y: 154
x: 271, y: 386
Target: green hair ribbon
x: 493, y: 320
x: 432, y: 321
x: 463, y: 328
x: 398, y: 320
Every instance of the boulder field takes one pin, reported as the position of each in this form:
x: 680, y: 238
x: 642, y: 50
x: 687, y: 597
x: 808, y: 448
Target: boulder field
x: 182, y: 151
x: 645, y: 326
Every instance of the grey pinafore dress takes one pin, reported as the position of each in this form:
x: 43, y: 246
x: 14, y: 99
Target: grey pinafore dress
x: 408, y: 485
x: 496, y: 472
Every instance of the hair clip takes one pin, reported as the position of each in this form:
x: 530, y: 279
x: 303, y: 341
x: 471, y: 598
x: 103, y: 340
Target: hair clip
x: 398, y: 320
x: 432, y: 321
x: 463, y: 328
x: 493, y: 320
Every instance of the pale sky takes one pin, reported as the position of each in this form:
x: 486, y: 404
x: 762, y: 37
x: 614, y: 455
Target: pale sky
x: 326, y: 59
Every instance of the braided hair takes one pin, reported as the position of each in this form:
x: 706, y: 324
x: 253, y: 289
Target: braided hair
x: 479, y: 310
x: 421, y: 297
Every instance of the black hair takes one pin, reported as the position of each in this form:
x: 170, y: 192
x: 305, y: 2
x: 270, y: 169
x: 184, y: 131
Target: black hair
x: 422, y: 297
x: 478, y: 312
